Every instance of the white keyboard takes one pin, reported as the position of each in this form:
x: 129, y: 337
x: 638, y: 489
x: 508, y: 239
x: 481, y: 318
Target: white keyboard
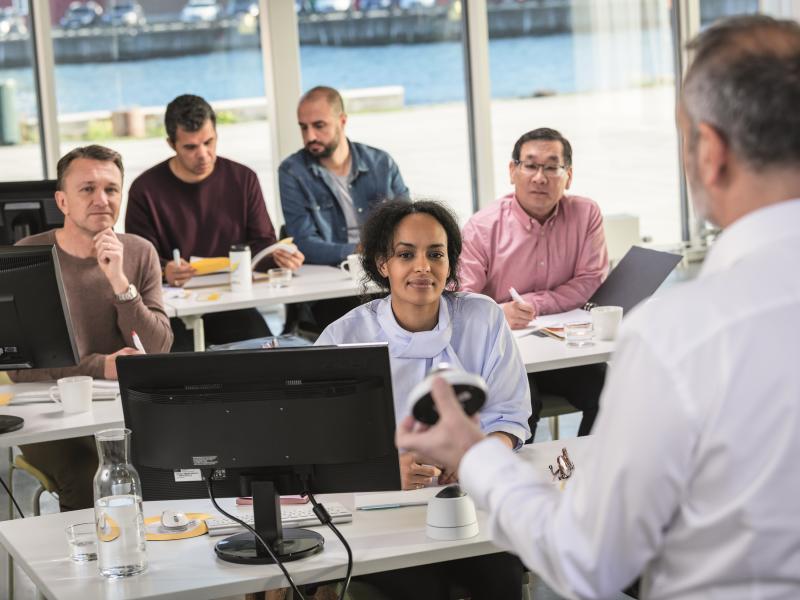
x: 292, y: 515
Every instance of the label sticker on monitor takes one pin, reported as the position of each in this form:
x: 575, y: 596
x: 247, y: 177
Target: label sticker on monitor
x: 188, y: 475
x: 205, y: 461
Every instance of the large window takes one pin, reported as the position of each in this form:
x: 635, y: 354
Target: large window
x: 20, y: 155
x: 602, y: 74
x: 116, y: 70
x: 405, y: 66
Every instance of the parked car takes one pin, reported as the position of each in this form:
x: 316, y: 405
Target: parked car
x: 11, y: 22
x: 237, y: 9
x: 200, y: 10
x: 324, y: 6
x: 306, y: 7
x: 406, y: 4
x: 81, y: 14
x: 125, y: 13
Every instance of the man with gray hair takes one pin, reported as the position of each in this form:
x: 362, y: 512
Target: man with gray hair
x: 690, y: 477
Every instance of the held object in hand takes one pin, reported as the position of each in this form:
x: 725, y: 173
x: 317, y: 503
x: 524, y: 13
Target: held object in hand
x: 470, y: 390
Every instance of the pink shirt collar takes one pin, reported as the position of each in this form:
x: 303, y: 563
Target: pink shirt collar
x: 528, y: 222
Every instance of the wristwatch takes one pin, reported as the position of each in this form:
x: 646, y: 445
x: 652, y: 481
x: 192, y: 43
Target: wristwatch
x: 127, y: 295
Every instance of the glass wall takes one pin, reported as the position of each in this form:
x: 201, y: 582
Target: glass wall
x: 120, y: 63
x: 602, y: 74
x: 400, y: 67
x: 20, y: 156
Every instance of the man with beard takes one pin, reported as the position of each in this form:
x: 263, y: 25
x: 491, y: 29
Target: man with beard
x: 201, y: 204
x: 328, y: 188
x: 690, y: 476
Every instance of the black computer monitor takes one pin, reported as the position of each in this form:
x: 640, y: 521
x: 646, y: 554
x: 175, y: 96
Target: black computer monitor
x: 26, y: 208
x: 277, y: 421
x: 35, y: 327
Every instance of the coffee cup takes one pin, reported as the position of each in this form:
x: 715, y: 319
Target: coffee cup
x: 352, y: 265
x: 74, y: 394
x: 606, y: 321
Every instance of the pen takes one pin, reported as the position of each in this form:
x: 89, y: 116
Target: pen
x: 515, y: 296
x: 176, y: 257
x: 137, y: 342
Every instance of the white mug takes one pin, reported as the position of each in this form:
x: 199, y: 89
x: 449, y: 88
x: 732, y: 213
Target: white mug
x: 352, y: 265
x: 606, y: 321
x: 74, y: 394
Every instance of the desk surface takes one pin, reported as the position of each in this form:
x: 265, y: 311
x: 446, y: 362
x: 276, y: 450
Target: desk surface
x: 46, y: 422
x: 380, y: 540
x: 545, y: 354
x: 319, y: 282
x: 311, y: 282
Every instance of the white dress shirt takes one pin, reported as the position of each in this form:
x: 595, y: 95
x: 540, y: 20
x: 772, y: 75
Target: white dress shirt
x: 692, y: 477
x: 471, y: 334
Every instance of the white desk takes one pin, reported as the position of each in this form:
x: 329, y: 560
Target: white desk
x: 380, y: 540
x: 311, y: 282
x: 546, y: 354
x: 47, y: 422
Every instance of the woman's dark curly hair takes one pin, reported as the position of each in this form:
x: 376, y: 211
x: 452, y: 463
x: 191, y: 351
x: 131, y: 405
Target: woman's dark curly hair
x: 377, y: 236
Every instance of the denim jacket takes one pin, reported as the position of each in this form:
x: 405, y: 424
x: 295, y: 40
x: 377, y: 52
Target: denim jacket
x: 312, y: 213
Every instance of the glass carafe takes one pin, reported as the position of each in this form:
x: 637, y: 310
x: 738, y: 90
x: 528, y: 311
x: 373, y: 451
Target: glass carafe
x: 118, y: 507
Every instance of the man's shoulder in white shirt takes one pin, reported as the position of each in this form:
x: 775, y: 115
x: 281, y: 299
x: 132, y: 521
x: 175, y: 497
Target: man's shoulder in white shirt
x: 740, y: 290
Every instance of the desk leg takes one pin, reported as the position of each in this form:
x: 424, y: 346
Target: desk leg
x: 195, y: 323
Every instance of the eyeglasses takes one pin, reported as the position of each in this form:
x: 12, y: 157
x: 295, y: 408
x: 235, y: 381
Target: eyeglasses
x: 529, y: 169
x: 564, y: 467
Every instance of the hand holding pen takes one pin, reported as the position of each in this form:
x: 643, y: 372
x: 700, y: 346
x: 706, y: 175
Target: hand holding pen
x: 137, y: 342
x: 518, y: 313
x: 178, y: 271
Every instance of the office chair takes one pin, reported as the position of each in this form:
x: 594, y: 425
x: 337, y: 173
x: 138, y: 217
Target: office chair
x: 19, y: 463
x: 552, y: 407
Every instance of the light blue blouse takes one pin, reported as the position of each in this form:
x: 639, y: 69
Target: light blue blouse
x: 471, y: 334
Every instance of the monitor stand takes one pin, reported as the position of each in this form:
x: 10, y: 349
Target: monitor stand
x: 289, y: 545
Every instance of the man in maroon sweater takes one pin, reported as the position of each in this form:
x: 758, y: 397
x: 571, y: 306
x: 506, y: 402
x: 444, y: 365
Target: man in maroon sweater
x: 201, y: 204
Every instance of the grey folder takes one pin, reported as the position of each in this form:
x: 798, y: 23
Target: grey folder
x: 635, y: 278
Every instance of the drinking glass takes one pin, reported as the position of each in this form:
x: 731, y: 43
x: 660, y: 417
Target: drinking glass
x: 280, y: 277
x: 578, y: 335
x: 82, y: 539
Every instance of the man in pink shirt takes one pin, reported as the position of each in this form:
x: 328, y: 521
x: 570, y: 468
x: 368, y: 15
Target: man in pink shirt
x: 547, y: 245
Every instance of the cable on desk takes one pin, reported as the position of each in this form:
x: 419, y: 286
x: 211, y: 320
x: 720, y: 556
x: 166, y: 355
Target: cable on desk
x: 325, y: 519
x: 14, y: 500
x: 277, y: 561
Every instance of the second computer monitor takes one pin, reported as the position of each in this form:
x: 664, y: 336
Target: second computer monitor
x: 26, y: 208
x: 35, y: 326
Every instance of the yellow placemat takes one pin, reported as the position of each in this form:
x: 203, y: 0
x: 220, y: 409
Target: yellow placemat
x: 198, y: 530
x: 204, y: 266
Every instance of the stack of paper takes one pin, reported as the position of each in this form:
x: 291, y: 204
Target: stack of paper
x: 102, y: 389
